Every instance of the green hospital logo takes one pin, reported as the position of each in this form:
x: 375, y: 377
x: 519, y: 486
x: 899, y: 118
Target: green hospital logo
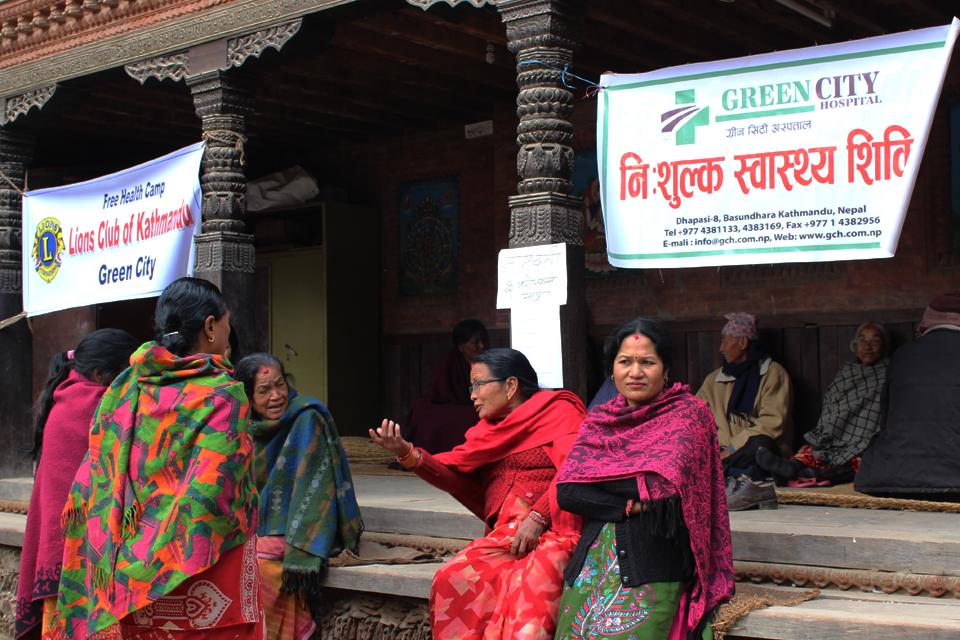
x: 685, y: 119
x: 48, y: 248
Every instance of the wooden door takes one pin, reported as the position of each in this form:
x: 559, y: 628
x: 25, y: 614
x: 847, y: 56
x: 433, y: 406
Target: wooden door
x: 298, y: 317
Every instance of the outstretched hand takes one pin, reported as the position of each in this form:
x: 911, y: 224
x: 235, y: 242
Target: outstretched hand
x: 387, y: 435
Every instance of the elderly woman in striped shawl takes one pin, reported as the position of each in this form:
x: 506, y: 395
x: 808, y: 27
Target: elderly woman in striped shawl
x: 308, y: 510
x: 848, y: 421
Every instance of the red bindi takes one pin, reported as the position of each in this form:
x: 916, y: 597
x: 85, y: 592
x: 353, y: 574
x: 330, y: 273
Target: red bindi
x: 265, y: 371
x: 636, y: 336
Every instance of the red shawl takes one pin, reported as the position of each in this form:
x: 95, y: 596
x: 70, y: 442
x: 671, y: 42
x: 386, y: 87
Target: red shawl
x: 548, y: 418
x: 675, y: 437
x: 64, y: 444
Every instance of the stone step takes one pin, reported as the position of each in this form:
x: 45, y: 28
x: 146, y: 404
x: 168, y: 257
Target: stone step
x: 407, y: 504
x: 12, y: 526
x: 835, y: 614
x: 16, y: 489
x: 875, y: 540
x: 853, y: 614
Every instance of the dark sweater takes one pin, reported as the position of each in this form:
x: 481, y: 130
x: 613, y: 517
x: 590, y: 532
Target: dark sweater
x: 917, y: 451
x: 653, y: 546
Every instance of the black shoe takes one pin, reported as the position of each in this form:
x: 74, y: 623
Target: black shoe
x: 780, y: 467
x: 748, y: 494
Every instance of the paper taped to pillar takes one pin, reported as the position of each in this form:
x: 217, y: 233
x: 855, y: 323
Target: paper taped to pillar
x: 796, y: 156
x: 532, y: 283
x: 123, y: 236
x: 528, y: 275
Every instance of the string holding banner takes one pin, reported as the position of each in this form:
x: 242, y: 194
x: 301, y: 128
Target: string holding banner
x: 564, y: 74
x: 12, y: 320
x: 11, y: 183
x: 237, y: 142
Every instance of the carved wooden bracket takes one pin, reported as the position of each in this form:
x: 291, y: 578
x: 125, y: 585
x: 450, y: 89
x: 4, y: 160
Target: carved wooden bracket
x: 172, y: 66
x: 213, y: 56
x: 16, y: 106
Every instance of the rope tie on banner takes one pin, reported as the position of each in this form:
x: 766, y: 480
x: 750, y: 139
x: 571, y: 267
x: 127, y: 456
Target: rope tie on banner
x: 12, y: 184
x: 565, y: 73
x: 229, y: 138
x: 12, y: 320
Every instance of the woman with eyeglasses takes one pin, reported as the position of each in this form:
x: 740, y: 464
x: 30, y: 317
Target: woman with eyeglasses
x: 848, y: 421
x: 508, y: 583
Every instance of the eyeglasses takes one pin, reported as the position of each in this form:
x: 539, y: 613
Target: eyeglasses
x: 873, y: 342
x: 476, y: 384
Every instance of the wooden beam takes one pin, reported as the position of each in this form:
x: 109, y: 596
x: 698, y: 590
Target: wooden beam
x: 481, y: 23
x: 356, y: 89
x: 431, y: 37
x: 354, y: 38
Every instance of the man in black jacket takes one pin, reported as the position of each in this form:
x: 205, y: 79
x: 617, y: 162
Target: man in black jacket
x: 917, y: 452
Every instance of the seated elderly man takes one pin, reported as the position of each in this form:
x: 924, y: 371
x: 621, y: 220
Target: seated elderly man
x: 916, y: 454
x: 750, y: 396
x: 849, y: 419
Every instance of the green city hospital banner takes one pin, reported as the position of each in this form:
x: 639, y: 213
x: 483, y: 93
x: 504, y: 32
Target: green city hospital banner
x: 796, y: 156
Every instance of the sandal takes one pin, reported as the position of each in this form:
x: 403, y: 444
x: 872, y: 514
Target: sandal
x: 806, y: 483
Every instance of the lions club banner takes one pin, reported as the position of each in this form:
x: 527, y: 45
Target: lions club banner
x: 796, y: 156
x: 123, y: 236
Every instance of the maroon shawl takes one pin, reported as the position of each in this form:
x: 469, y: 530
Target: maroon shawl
x: 65, y: 439
x: 675, y: 437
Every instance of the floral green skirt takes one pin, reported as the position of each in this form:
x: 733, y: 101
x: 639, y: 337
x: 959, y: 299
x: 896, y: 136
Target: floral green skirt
x: 599, y: 607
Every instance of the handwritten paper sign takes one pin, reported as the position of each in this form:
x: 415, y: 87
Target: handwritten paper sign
x: 529, y: 275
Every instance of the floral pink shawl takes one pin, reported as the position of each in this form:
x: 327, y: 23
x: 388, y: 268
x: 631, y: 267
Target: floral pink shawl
x: 675, y: 437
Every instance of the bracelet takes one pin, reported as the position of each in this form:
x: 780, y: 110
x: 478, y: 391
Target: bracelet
x: 404, y: 460
x: 629, y: 510
x: 537, y: 517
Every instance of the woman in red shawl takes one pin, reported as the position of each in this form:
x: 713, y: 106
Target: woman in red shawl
x: 76, y: 382
x: 508, y: 583
x: 654, y: 559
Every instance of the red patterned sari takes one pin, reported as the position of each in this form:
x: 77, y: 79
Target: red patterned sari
x: 502, y: 472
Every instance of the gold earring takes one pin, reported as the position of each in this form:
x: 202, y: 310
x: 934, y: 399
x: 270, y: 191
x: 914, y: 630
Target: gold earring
x: 211, y: 339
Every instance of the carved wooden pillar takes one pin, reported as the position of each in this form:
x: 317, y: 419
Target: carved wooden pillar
x: 225, y: 254
x: 16, y: 343
x: 541, y: 35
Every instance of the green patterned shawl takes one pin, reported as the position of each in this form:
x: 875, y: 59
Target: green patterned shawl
x: 307, y: 491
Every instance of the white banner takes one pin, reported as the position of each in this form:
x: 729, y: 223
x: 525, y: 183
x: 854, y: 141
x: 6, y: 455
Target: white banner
x: 796, y: 156
x: 123, y: 236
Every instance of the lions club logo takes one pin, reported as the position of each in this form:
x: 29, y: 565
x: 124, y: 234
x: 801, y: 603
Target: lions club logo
x: 48, y: 248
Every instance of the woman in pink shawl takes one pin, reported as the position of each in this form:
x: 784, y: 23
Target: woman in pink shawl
x: 654, y: 559
x: 77, y: 380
